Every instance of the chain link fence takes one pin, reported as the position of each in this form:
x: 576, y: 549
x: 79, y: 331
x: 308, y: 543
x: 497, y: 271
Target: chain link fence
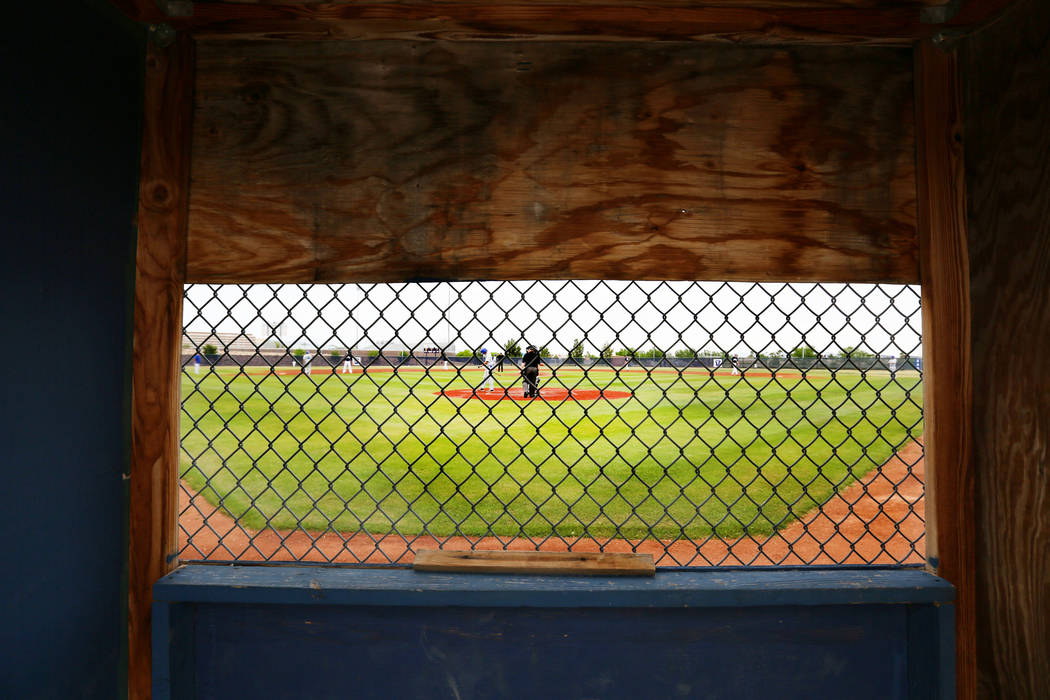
x: 708, y: 423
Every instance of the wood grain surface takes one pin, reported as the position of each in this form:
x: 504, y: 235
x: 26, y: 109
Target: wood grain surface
x: 159, y: 278
x: 392, y: 161
x: 771, y: 4
x: 535, y: 563
x: 1006, y: 78
x: 894, y: 24
x: 947, y: 379
x: 881, y: 22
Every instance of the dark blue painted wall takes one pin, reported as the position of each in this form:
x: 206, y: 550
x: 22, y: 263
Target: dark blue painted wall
x: 851, y: 651
x: 298, y: 632
x: 69, y: 141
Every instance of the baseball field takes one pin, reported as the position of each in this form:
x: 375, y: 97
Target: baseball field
x: 636, y: 453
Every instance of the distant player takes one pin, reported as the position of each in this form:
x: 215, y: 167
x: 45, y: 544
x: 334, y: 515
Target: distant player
x: 348, y: 363
x: 197, y: 363
x: 489, y: 364
x: 892, y: 364
x: 530, y: 371
x: 736, y: 365
x: 306, y: 362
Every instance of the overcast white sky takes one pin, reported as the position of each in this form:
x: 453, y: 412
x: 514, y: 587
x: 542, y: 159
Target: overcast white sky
x: 731, y: 317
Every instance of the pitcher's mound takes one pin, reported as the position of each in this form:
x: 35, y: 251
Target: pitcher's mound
x: 546, y: 394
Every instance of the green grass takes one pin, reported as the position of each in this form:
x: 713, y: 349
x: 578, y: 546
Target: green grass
x: 382, y: 452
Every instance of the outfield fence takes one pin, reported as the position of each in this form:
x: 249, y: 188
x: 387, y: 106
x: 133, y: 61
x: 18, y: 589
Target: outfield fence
x: 711, y: 424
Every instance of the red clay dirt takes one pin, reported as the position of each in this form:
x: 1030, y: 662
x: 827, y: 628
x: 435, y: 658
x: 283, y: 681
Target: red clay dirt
x: 555, y: 393
x: 873, y: 521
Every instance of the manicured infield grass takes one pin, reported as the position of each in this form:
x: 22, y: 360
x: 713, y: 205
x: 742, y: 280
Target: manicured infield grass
x: 686, y: 455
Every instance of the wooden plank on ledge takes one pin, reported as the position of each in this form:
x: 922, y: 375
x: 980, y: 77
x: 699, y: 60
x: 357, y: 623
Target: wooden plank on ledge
x: 536, y: 563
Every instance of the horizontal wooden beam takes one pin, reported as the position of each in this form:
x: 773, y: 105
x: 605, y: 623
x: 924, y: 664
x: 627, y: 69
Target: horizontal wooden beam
x: 897, y: 22
x: 768, y: 4
x: 390, y: 161
x: 892, y: 25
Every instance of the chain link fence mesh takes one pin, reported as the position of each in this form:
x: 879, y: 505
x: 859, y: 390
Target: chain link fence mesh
x: 707, y: 423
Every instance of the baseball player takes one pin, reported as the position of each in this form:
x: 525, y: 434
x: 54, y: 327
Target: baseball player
x: 530, y: 371
x: 489, y: 363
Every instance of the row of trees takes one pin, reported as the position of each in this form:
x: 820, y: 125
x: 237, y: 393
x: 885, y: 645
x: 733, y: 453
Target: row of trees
x: 577, y: 351
x: 846, y: 352
x: 512, y: 348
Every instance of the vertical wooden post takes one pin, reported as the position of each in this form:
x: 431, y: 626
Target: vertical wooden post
x: 159, y: 276
x: 945, y: 274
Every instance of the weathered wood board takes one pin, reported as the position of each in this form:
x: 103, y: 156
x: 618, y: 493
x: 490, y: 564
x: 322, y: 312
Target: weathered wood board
x: 1005, y: 79
x: 153, y: 505
x: 827, y: 4
x: 390, y: 161
x: 947, y: 372
x: 877, y: 25
x: 514, y: 562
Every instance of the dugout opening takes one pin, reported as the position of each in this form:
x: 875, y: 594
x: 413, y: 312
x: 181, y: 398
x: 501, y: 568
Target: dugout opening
x: 709, y: 423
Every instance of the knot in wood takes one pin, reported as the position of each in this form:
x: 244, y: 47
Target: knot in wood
x: 158, y: 195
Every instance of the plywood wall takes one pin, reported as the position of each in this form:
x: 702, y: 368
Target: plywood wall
x: 1006, y: 77
x: 395, y: 160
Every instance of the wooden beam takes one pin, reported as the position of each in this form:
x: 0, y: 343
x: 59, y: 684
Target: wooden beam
x: 159, y: 278
x: 944, y: 261
x: 768, y: 4
x: 895, y: 24
x: 738, y: 21
x: 392, y: 161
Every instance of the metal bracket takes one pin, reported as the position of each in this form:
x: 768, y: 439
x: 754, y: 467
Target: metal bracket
x: 947, y: 39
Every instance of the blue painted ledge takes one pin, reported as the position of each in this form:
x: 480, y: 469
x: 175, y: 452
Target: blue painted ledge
x: 667, y: 589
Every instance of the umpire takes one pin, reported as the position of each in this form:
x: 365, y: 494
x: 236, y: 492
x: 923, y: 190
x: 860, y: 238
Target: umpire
x: 530, y: 370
